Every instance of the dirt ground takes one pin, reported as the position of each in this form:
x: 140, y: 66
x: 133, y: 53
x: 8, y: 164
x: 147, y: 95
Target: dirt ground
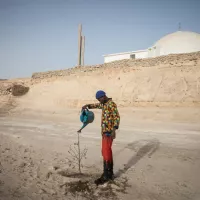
x: 156, y: 156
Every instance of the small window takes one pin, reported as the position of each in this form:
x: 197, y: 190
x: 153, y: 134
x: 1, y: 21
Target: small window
x: 132, y: 56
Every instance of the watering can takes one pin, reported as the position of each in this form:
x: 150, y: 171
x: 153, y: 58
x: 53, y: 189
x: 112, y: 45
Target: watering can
x: 86, y: 117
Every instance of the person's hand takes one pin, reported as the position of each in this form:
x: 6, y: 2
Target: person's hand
x: 113, y: 134
x: 84, y: 107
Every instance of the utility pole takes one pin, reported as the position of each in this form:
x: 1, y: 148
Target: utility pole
x: 82, y: 49
x: 81, y: 46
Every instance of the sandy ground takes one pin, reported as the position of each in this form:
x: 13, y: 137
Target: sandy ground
x: 156, y: 154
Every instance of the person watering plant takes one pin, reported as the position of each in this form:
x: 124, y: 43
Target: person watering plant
x: 110, y: 123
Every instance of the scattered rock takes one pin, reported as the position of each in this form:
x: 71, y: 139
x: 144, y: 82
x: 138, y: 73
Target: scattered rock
x: 56, y: 167
x: 22, y: 164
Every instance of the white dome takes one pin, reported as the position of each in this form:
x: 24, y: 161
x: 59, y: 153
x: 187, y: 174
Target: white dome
x: 178, y: 42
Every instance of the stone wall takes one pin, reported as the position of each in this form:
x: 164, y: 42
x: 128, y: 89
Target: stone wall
x: 162, y: 61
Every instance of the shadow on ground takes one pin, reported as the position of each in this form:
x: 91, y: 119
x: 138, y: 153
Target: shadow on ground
x: 148, y: 149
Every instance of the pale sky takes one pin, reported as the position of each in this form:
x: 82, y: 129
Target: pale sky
x: 41, y: 35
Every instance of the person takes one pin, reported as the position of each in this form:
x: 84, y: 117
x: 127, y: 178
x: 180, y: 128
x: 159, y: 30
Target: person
x: 110, y: 121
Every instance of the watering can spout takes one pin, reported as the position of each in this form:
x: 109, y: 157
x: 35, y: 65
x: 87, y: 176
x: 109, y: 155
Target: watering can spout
x: 86, y: 117
x: 84, y: 125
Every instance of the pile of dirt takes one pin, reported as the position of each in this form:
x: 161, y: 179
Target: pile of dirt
x: 19, y: 90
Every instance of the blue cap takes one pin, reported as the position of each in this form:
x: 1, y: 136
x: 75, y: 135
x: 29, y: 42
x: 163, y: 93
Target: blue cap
x: 100, y: 94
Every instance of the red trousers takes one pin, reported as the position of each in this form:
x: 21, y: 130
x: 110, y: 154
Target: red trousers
x: 107, y: 148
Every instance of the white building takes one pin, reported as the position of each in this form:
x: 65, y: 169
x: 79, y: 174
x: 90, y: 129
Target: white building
x: 174, y: 43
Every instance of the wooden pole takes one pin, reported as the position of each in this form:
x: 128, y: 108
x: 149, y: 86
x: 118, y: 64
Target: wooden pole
x: 79, y: 43
x: 82, y: 49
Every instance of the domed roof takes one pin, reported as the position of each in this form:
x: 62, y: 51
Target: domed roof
x: 179, y: 42
x: 179, y: 35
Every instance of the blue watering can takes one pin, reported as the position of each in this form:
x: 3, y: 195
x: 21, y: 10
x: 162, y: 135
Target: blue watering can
x: 86, y: 117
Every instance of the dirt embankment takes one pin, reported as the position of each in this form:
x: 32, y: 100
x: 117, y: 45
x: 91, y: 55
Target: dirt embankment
x: 172, y: 80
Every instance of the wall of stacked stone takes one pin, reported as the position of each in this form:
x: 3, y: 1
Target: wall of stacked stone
x: 173, y: 59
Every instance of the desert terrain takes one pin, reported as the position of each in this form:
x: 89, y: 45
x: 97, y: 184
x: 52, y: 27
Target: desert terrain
x: 157, y: 148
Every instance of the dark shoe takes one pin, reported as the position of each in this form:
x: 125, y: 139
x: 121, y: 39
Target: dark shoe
x: 101, y: 180
x: 111, y: 171
x: 106, y: 176
x: 110, y: 174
